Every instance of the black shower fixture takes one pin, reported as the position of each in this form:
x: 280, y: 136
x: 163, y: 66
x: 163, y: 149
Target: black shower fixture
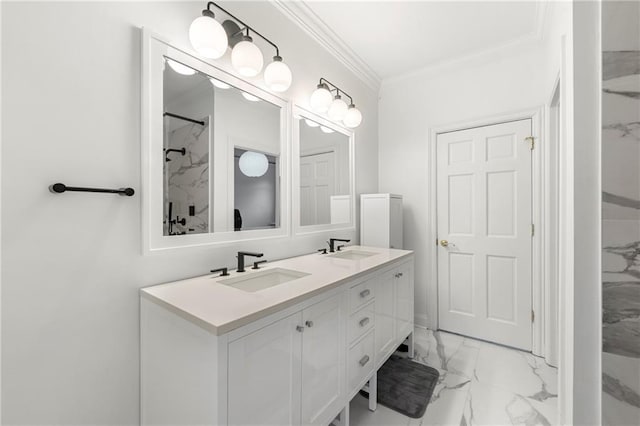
x: 182, y: 151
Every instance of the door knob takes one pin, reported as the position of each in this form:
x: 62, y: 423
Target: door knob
x: 444, y: 243
x: 309, y: 324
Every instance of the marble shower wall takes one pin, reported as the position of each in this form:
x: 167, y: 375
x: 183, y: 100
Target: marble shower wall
x: 187, y: 177
x: 621, y: 215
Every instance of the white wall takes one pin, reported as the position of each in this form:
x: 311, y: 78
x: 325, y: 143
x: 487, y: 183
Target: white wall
x: 587, y: 300
x: 72, y: 263
x: 485, y: 86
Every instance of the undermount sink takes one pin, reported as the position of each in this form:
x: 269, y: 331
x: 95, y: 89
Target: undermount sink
x: 353, y: 254
x: 268, y: 278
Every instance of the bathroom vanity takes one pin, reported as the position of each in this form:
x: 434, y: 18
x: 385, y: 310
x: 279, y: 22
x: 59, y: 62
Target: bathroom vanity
x: 288, y: 344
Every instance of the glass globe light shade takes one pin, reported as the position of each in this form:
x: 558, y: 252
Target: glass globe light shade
x: 246, y: 58
x: 353, y: 117
x: 250, y: 97
x: 311, y: 123
x: 326, y: 129
x: 180, y: 68
x: 219, y: 84
x: 337, y: 109
x: 277, y: 75
x: 253, y: 164
x: 321, y: 99
x: 207, y: 36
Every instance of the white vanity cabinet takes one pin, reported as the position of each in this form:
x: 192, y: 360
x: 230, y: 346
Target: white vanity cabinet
x: 264, y: 375
x: 296, y: 362
x: 323, y: 365
x: 295, y: 365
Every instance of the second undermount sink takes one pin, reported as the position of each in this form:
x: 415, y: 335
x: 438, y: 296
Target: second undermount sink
x: 261, y: 280
x: 353, y: 254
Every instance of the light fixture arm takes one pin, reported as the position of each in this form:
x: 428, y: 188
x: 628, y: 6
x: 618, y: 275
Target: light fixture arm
x: 336, y: 88
x: 247, y: 27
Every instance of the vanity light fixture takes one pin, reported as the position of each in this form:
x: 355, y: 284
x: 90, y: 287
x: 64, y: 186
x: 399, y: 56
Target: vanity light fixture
x: 311, y: 123
x: 180, y: 68
x: 253, y: 164
x: 326, y: 129
x: 219, y: 84
x: 250, y: 97
x: 323, y: 101
x: 246, y: 57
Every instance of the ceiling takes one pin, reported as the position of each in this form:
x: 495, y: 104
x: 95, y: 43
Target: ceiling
x: 391, y: 38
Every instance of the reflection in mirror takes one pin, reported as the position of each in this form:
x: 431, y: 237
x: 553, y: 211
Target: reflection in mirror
x: 255, y: 192
x: 324, y: 175
x: 208, y: 126
x: 188, y: 109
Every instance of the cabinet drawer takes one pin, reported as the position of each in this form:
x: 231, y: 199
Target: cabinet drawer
x: 361, y: 361
x: 360, y: 295
x: 361, y: 321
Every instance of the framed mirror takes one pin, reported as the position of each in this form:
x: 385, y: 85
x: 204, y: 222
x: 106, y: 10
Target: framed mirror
x: 323, y: 174
x: 214, y: 153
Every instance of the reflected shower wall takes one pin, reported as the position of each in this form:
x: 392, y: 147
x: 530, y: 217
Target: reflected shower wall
x: 186, y: 194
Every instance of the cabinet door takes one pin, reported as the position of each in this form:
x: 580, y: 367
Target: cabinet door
x: 264, y: 375
x: 404, y: 300
x: 385, y: 321
x: 323, y: 361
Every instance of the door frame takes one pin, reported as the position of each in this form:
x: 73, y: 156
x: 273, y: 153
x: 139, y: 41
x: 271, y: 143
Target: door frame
x: 538, y: 283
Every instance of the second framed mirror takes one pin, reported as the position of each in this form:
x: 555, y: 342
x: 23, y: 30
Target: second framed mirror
x: 323, y: 174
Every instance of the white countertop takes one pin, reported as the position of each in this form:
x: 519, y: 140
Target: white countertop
x: 220, y: 308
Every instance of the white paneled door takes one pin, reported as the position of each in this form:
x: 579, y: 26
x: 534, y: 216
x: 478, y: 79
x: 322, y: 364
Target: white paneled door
x: 484, y: 191
x: 317, y: 185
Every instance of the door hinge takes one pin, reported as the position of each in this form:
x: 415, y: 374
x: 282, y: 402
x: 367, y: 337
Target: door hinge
x: 533, y: 229
x: 533, y: 316
x: 532, y: 142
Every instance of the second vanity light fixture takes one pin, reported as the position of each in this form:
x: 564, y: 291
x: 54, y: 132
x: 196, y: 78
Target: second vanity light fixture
x: 210, y: 39
x: 324, y: 101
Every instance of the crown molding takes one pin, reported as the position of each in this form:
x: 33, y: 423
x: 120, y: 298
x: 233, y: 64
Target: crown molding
x: 305, y: 18
x: 533, y: 39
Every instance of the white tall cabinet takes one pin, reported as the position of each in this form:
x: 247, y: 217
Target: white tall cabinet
x: 381, y: 220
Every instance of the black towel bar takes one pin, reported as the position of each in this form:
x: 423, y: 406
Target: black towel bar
x: 59, y: 188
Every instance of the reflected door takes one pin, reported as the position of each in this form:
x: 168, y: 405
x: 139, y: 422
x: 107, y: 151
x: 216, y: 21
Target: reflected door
x: 484, y: 230
x: 317, y: 185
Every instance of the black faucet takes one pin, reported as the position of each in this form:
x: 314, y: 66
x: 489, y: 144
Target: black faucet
x: 332, y: 242
x: 241, y: 255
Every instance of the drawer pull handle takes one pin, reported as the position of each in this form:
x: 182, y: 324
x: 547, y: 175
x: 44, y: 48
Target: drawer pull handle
x: 365, y: 293
x: 299, y: 328
x: 309, y: 324
x: 364, y: 321
x: 400, y: 274
x: 364, y: 360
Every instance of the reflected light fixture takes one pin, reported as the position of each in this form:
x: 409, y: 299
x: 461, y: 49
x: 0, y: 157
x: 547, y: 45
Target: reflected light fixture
x: 323, y: 101
x: 211, y: 39
x: 253, y: 164
x: 311, y: 123
x: 180, y: 68
x: 250, y: 97
x: 326, y: 129
x: 219, y: 84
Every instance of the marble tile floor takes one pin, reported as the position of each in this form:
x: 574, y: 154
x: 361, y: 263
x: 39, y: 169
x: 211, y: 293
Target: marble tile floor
x: 480, y: 384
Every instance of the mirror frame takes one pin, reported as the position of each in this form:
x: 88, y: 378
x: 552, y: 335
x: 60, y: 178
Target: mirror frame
x: 299, y: 114
x: 154, y: 50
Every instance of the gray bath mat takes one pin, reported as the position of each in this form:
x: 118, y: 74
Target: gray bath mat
x: 405, y: 386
